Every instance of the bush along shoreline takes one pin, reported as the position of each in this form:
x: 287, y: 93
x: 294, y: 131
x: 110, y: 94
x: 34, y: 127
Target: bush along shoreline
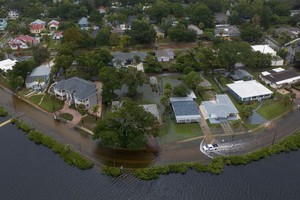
x: 3, y: 112
x: 291, y: 143
x: 64, y: 151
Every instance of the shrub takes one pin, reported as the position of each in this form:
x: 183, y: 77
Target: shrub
x: 216, y: 165
x: 200, y: 167
x: 22, y: 126
x: 146, y: 173
x: 178, y: 168
x: 3, y: 112
x: 111, y: 171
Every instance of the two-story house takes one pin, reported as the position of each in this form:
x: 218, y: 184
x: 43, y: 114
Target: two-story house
x: 76, y: 91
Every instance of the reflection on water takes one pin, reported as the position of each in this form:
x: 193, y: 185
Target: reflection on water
x: 30, y: 171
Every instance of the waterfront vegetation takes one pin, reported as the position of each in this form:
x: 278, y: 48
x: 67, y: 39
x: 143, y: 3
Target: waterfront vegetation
x: 291, y: 143
x: 64, y: 151
x: 111, y: 171
x: 3, y: 112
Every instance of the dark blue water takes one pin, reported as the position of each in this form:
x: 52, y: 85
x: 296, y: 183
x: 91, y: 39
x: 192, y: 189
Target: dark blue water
x: 29, y: 171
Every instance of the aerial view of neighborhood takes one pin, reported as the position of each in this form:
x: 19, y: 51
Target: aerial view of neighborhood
x: 150, y: 99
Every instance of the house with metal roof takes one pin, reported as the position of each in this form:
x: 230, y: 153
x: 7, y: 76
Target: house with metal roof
x: 152, y: 108
x: 38, y: 78
x: 185, y: 109
x: 249, y: 91
x: 266, y: 49
x: 219, y: 109
x: 280, y: 77
x: 76, y: 91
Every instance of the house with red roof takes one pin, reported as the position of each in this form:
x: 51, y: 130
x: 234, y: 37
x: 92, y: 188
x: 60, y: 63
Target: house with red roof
x: 23, y: 42
x: 53, y: 25
x: 37, y: 26
x: 59, y: 35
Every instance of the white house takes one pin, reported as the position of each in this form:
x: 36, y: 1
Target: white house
x: 38, y: 78
x: 185, y: 109
x: 195, y: 28
x: 53, y: 25
x: 279, y: 77
x: 7, y: 64
x: 266, y: 49
x: 249, y: 90
x: 76, y: 91
x: 59, y: 35
x: 13, y: 14
x: 221, y: 108
x: 164, y: 55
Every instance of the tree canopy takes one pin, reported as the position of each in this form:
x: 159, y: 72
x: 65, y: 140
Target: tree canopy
x: 127, y: 127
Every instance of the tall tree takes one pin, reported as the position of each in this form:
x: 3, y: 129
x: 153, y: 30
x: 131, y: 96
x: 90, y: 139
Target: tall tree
x: 142, y: 32
x: 133, y: 78
x: 192, y: 80
x: 151, y: 64
x: 111, y: 78
x: 127, y: 127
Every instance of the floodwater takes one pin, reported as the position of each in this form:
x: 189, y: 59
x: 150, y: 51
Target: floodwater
x: 30, y: 171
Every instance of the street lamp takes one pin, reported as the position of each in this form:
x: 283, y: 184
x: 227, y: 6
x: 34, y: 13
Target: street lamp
x: 115, y: 154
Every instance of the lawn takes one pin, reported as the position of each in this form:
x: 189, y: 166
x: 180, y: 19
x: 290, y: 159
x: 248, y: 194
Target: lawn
x: 51, y: 104
x: 89, y: 122
x: 170, y: 131
x: 25, y: 91
x: 273, y: 108
x: 214, y: 84
x: 36, y: 98
x: 67, y: 116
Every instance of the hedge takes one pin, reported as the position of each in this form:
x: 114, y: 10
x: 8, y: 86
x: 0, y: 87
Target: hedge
x: 291, y: 143
x: 64, y: 151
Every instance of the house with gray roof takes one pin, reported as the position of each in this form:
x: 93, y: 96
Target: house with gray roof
x: 220, y: 18
x: 121, y: 59
x: 152, y: 108
x: 164, y: 55
x: 219, y: 109
x: 38, y: 78
x: 84, y: 23
x: 185, y: 109
x: 240, y: 74
x: 76, y: 91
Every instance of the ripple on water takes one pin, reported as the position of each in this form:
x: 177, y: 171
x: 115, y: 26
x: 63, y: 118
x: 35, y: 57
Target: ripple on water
x: 30, y: 171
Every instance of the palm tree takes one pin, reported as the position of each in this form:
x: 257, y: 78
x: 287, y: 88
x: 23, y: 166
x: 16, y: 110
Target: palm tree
x: 95, y: 110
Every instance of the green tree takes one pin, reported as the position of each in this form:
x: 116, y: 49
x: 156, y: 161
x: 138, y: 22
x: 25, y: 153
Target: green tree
x: 142, y: 32
x: 40, y: 54
x: 95, y: 109
x: 133, y: 78
x: 250, y: 33
x: 199, y: 12
x: 63, y: 61
x: 20, y: 69
x: 111, y: 78
x: 151, y: 64
x: 179, y: 33
x: 92, y: 62
x: 181, y: 90
x: 74, y: 35
x: 102, y: 37
x: 192, y: 80
x: 247, y: 111
x: 128, y: 127
x: 159, y: 10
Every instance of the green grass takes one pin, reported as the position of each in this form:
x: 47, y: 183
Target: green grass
x: 51, y: 105
x: 192, y: 129
x: 170, y: 131
x: 89, y: 122
x: 270, y: 110
x: 3, y: 112
x: 36, y: 98
x: 214, y: 84
x: 67, y: 116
